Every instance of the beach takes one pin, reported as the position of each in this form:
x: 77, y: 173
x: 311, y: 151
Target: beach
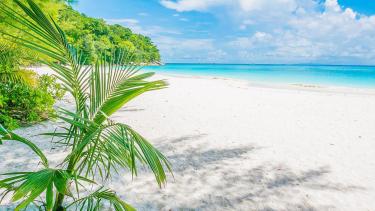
x: 240, y: 145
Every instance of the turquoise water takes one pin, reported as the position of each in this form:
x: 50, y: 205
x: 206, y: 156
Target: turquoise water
x: 352, y: 76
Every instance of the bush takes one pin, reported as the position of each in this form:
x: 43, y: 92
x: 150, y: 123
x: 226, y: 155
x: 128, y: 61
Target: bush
x: 22, y: 104
x: 48, y: 84
x: 11, y: 60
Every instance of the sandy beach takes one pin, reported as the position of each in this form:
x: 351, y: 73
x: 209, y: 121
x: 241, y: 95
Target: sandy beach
x: 237, y: 145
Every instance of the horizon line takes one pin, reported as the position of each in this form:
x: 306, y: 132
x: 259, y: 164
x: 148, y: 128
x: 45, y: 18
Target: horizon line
x: 276, y: 64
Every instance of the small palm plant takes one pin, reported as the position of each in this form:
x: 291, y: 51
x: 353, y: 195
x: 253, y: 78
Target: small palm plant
x: 97, y: 146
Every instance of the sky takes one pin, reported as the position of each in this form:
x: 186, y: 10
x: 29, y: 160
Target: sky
x: 248, y: 31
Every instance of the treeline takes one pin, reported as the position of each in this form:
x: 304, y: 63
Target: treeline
x: 94, y: 36
x: 25, y: 96
x: 91, y: 35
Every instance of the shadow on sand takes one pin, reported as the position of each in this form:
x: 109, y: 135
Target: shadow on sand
x: 226, y: 179
x: 216, y: 179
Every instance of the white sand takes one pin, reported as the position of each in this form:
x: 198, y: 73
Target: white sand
x: 241, y: 146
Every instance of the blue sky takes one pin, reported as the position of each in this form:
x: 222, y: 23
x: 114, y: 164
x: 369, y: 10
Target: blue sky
x: 249, y: 31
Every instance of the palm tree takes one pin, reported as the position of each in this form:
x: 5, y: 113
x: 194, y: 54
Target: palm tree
x: 97, y: 145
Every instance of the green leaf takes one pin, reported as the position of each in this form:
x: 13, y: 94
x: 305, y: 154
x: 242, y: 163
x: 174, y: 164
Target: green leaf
x: 10, y: 136
x: 27, y: 186
x: 32, y: 186
x: 49, y: 197
x: 92, y: 201
x: 60, y: 181
x: 119, y: 146
x: 112, y: 86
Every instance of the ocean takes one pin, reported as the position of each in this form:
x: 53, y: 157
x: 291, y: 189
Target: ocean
x: 349, y: 76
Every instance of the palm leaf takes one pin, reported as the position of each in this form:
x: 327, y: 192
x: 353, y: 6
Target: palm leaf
x: 106, y: 147
x: 94, y: 201
x: 116, y: 146
x: 114, y: 82
x: 52, y: 42
x: 29, y: 185
x: 6, y: 135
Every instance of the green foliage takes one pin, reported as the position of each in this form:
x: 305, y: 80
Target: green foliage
x: 11, y: 59
x: 48, y: 84
x: 25, y: 103
x: 96, y: 145
x: 8, y: 25
x: 29, y: 185
x: 24, y: 97
x: 22, y: 104
x: 94, y: 200
x: 92, y: 36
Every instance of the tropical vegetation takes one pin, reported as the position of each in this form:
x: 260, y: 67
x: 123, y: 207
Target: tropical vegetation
x: 94, y: 36
x: 96, y: 146
x: 25, y: 97
x: 28, y: 103
x: 91, y: 35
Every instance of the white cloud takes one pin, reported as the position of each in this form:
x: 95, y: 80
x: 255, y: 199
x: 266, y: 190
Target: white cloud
x: 216, y: 56
x: 291, y: 31
x: 239, y: 5
x: 332, y: 6
x: 184, y: 44
x: 143, y: 14
x: 246, y: 23
x: 190, y: 5
x: 183, y: 50
x: 261, y: 5
x: 332, y: 36
x: 258, y: 38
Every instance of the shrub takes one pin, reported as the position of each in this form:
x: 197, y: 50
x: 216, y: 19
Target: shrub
x: 12, y: 57
x: 23, y: 104
x: 49, y: 84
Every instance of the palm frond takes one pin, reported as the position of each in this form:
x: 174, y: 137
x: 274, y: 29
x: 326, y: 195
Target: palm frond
x: 118, y: 145
x: 106, y: 147
x: 52, y: 42
x: 29, y: 185
x: 94, y: 201
x: 6, y: 135
x: 114, y: 82
x: 9, y: 62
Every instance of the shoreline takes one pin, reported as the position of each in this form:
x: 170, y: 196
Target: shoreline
x: 253, y: 83
x: 277, y: 85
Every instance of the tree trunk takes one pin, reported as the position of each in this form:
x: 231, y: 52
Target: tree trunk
x: 58, y: 205
x: 60, y: 197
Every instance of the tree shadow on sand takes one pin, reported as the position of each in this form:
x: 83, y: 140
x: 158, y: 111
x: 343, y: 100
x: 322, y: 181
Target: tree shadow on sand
x: 229, y: 179
x: 212, y: 179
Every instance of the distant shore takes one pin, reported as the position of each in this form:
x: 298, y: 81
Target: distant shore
x: 253, y: 83
x: 152, y: 64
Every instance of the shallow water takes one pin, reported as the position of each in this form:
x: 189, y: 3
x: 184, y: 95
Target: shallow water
x: 351, y: 76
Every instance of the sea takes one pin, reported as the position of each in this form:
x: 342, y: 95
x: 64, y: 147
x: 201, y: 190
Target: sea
x: 328, y: 75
